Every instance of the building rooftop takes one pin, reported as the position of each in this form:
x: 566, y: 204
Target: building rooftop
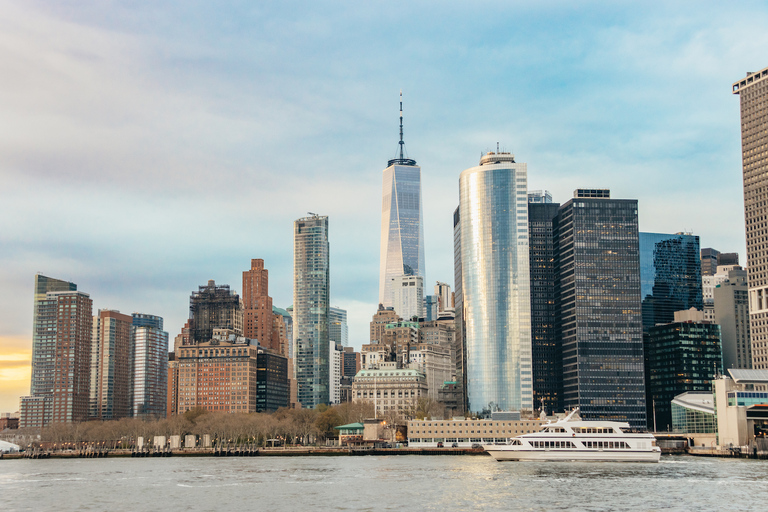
x: 743, y: 376
x: 697, y: 401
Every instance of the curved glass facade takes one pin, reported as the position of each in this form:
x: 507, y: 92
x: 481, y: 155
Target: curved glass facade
x: 402, y: 231
x: 495, y: 287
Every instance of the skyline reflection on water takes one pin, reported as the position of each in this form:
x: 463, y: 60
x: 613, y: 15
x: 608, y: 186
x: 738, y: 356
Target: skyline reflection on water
x: 440, y: 483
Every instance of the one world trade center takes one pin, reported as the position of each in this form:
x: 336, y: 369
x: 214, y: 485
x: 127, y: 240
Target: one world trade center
x: 402, y: 232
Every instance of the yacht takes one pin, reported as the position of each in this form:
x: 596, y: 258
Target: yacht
x: 572, y: 438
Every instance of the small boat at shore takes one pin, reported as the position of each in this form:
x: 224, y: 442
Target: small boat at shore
x: 572, y: 438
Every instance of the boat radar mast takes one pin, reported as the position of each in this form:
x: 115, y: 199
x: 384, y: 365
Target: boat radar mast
x: 402, y: 160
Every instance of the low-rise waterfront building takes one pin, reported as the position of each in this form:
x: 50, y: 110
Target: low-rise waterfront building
x: 463, y: 433
x: 740, y: 402
x: 694, y: 413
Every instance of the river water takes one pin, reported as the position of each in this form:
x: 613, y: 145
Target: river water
x: 414, y: 483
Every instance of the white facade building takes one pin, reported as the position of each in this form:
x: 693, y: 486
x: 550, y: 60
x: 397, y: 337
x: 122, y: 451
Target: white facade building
x: 408, y: 296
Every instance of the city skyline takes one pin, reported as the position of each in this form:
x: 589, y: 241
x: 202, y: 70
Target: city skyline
x: 119, y: 132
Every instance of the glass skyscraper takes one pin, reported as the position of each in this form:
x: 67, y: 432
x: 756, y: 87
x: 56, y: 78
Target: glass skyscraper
x: 545, y: 342
x: 599, y: 317
x: 311, y: 289
x: 402, y: 231
x: 670, y: 276
x: 494, y: 293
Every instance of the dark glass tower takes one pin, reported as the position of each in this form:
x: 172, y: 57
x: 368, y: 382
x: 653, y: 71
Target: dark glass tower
x: 670, y: 276
x: 682, y: 356
x: 599, y: 318
x: 545, y: 343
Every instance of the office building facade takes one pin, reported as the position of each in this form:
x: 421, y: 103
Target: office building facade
x: 495, y: 291
x: 402, y: 230
x: 338, y: 330
x: 731, y: 305
x: 311, y: 292
x: 408, y: 296
x: 670, y: 276
x: 599, y: 315
x: 681, y: 356
x: 753, y: 99
x: 545, y: 342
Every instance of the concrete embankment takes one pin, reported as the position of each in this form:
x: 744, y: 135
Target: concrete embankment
x: 244, y: 452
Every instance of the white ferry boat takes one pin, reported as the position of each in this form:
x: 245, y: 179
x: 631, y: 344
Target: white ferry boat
x: 572, y: 438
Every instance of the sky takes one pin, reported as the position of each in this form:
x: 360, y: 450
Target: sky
x: 149, y: 146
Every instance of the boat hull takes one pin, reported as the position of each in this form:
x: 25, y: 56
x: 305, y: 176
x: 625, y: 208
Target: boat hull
x: 501, y: 454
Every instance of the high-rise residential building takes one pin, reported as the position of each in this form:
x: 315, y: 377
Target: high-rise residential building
x: 257, y: 306
x: 61, y: 343
x: 112, y: 358
x: 402, y: 230
x: 545, y: 342
x: 214, y: 307
x: 408, y: 296
x: 731, y: 305
x: 172, y: 405
x: 670, y: 276
x: 338, y: 330
x: 683, y: 355
x: 599, y: 315
x: 495, y: 288
x: 311, y: 292
x: 43, y: 345
x: 753, y: 96
x: 150, y: 366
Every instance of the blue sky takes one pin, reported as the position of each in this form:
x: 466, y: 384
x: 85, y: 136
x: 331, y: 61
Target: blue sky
x: 146, y: 147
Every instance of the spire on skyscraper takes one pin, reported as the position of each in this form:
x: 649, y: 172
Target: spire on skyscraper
x: 402, y: 160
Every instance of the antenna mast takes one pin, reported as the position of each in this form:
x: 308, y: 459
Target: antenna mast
x: 401, y: 125
x: 401, y: 160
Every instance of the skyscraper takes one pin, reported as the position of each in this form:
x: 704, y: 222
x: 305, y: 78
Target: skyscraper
x: 670, y: 276
x: 111, y: 366
x: 545, y: 342
x: 732, y: 314
x: 495, y: 291
x: 257, y: 305
x: 402, y: 231
x: 681, y: 356
x: 599, y: 317
x: 753, y: 96
x: 61, y: 343
x: 311, y: 290
x: 150, y: 375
